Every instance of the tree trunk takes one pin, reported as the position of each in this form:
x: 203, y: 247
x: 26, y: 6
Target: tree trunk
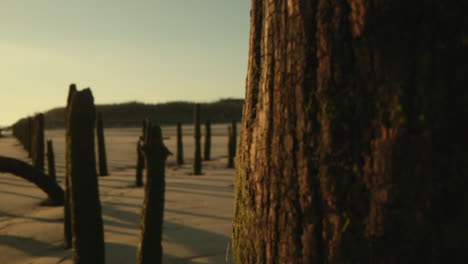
x: 51, y: 160
x: 34, y: 175
x: 180, y: 147
x: 207, y: 149
x: 85, y: 207
x: 67, y: 232
x: 101, y: 146
x: 150, y: 246
x: 197, y: 163
x: 352, y: 147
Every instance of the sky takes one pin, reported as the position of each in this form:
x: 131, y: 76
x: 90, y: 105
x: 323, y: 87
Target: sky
x: 150, y: 51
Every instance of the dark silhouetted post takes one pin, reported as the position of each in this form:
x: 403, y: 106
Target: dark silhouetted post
x: 150, y: 247
x: 207, y: 150
x: 51, y: 160
x: 28, y: 136
x: 67, y: 232
x: 180, y: 147
x: 101, y: 146
x: 140, y: 163
x: 197, y: 164
x: 230, y: 147
x: 37, y: 144
x: 86, y: 220
x: 234, y: 138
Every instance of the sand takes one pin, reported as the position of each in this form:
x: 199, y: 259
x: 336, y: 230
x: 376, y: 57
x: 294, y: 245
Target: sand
x: 197, y: 217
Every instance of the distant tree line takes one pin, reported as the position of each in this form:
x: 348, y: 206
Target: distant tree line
x: 130, y: 114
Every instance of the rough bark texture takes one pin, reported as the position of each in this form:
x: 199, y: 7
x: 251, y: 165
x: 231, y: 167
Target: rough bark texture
x: 353, y: 148
x: 85, y: 207
x: 207, y: 149
x: 150, y: 246
x: 180, y: 146
x: 37, y: 142
x: 197, y: 161
x: 34, y: 175
x: 51, y: 160
x: 67, y: 229
x: 101, y: 146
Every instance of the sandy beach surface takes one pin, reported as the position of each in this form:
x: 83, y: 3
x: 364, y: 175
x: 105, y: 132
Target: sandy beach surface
x: 197, y: 217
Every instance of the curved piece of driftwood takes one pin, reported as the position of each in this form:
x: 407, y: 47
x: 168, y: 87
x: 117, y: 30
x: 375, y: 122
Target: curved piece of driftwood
x: 34, y: 175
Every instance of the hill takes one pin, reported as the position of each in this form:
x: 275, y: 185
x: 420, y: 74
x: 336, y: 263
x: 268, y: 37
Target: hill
x: 132, y: 114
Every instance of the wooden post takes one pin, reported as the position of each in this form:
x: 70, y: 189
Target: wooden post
x: 150, y: 248
x: 230, y: 146
x: 207, y: 149
x: 51, y: 160
x: 67, y: 232
x: 37, y: 143
x: 234, y: 137
x: 180, y: 147
x: 140, y: 163
x: 197, y: 165
x: 101, y: 146
x: 86, y: 219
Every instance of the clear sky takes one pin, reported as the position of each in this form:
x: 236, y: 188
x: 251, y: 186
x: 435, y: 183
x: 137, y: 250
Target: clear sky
x: 125, y: 50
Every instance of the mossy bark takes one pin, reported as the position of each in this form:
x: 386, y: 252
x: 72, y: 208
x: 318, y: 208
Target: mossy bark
x: 67, y: 229
x: 102, y: 157
x: 352, y: 147
x: 85, y: 206
x: 150, y: 246
x: 197, y: 161
x: 51, y: 160
x: 180, y: 146
x: 207, y: 148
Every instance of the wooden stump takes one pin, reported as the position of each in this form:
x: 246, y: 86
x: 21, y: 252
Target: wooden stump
x: 67, y: 232
x: 207, y: 149
x: 51, y: 160
x: 86, y: 219
x: 150, y: 247
x: 180, y: 147
x: 101, y: 146
x: 197, y: 165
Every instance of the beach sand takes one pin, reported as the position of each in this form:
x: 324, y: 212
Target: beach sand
x: 197, y: 217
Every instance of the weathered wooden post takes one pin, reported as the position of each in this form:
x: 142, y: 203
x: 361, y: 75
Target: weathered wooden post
x: 86, y: 219
x: 140, y: 156
x: 197, y: 164
x: 180, y: 147
x: 229, y: 146
x: 140, y: 162
x: 67, y: 232
x: 101, y: 146
x: 234, y: 137
x: 207, y: 149
x: 37, y: 144
x: 150, y: 247
x: 51, y: 160
x: 28, y: 136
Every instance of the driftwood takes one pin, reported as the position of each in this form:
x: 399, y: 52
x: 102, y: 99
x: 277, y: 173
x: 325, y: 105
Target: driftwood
x: 34, y: 175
